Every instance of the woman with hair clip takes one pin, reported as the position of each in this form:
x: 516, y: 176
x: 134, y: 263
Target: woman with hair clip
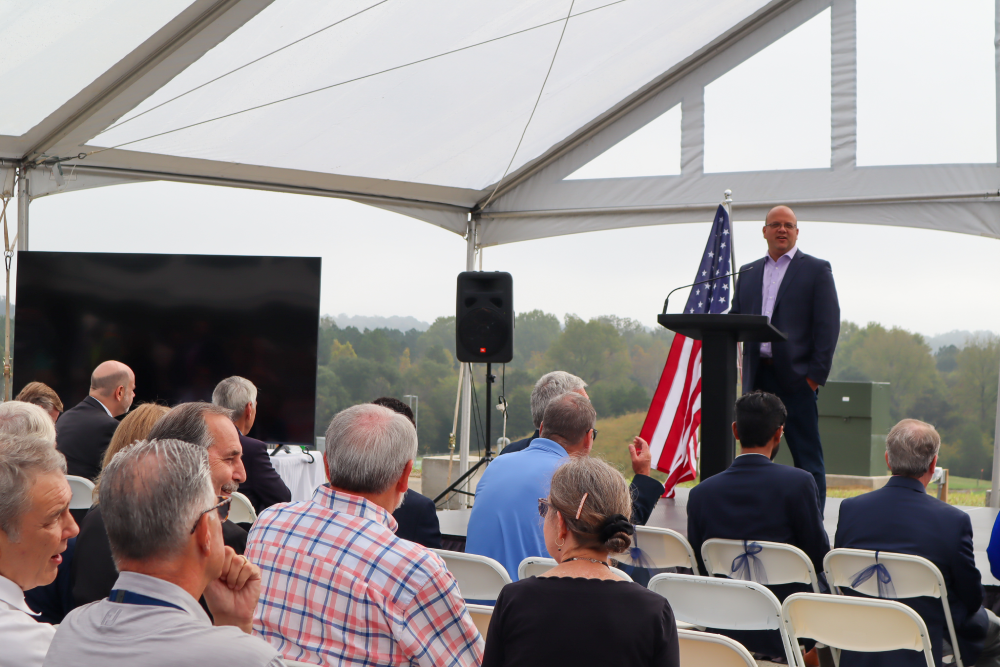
x: 579, y: 613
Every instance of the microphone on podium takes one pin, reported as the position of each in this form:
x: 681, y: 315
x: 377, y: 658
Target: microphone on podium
x: 710, y: 280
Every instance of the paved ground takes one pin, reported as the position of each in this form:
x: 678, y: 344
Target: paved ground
x: 672, y: 513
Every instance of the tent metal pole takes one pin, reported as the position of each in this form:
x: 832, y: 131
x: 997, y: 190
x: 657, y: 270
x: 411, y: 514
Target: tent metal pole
x: 23, y: 199
x: 463, y: 452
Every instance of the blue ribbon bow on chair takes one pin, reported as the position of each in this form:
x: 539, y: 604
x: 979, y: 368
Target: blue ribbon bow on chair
x: 747, y: 566
x: 639, y: 557
x: 882, y: 577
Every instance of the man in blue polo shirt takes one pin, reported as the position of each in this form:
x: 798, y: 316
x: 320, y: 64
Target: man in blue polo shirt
x: 504, y: 523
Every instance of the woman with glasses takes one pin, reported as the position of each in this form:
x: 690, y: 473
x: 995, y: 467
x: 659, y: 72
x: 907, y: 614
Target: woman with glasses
x: 578, y: 612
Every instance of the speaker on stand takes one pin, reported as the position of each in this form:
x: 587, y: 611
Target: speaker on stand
x: 484, y: 333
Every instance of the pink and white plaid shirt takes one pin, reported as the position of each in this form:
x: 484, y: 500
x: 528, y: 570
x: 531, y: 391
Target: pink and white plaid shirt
x: 340, y: 588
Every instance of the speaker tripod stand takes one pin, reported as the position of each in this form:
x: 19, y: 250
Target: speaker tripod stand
x: 487, y: 455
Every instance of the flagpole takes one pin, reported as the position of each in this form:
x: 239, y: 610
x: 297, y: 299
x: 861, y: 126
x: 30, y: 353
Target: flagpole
x: 727, y: 201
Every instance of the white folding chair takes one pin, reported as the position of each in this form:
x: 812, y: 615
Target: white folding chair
x: 478, y: 577
x: 480, y: 615
x: 83, y: 492
x: 663, y: 547
x: 854, y: 624
x: 700, y: 649
x: 241, y: 509
x: 783, y: 563
x: 534, y: 566
x: 728, y: 604
x: 912, y: 576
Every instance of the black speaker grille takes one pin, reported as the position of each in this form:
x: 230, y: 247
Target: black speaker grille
x: 483, y: 331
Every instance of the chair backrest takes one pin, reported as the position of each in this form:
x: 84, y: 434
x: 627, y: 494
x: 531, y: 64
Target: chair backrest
x: 729, y: 604
x: 911, y: 576
x: 855, y: 624
x: 480, y: 615
x: 535, y: 566
x: 478, y: 577
x: 241, y: 509
x: 783, y: 563
x: 83, y: 492
x: 700, y: 649
x: 663, y: 547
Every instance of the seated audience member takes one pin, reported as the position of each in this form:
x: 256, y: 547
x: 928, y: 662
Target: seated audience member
x: 756, y: 499
x: 993, y: 550
x: 416, y: 518
x: 504, y: 523
x: 43, y: 396
x: 85, y: 430
x: 263, y: 486
x: 339, y: 587
x: 164, y: 523
x: 902, y: 518
x: 18, y: 419
x: 93, y: 572
x: 644, y: 489
x: 579, y: 613
x: 35, y: 527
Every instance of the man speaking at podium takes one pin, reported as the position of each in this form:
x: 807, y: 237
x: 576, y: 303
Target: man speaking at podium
x: 797, y: 294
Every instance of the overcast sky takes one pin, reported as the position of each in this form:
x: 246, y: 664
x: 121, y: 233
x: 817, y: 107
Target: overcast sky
x: 926, y: 94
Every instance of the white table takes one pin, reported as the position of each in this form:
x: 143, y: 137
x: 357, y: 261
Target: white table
x: 299, y: 474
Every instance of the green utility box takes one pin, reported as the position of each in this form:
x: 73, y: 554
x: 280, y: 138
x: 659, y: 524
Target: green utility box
x: 853, y: 424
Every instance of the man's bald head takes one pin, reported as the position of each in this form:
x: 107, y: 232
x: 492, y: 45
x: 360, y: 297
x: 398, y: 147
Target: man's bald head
x: 113, y: 384
x: 781, y: 211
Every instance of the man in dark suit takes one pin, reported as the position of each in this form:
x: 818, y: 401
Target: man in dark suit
x: 755, y: 499
x: 84, y: 431
x: 416, y: 519
x: 263, y: 486
x: 902, y: 518
x: 645, y: 490
x: 797, y: 293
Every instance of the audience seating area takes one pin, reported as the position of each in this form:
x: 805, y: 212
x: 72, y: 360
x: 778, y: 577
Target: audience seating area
x: 83, y: 492
x: 241, y: 509
x: 478, y: 577
x: 782, y: 563
x: 705, y: 648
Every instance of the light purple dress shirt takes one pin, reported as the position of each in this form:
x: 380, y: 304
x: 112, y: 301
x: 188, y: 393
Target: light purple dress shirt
x: 774, y: 273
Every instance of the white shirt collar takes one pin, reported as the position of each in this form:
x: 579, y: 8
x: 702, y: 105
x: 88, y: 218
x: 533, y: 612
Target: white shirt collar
x: 12, y: 594
x: 103, y: 406
x: 754, y: 454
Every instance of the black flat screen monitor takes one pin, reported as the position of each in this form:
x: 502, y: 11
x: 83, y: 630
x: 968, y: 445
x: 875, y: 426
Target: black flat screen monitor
x: 181, y: 322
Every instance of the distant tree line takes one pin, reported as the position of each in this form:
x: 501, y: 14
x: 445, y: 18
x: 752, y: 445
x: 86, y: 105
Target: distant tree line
x: 954, y: 389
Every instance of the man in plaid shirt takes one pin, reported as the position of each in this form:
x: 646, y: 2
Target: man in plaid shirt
x: 338, y: 586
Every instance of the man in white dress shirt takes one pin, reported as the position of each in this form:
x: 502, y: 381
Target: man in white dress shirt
x: 164, y: 524
x: 35, y: 525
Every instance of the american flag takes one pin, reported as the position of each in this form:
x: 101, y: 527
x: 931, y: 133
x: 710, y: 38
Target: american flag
x: 671, y: 426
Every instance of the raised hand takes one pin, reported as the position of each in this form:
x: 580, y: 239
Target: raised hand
x: 642, y: 458
x: 232, y: 597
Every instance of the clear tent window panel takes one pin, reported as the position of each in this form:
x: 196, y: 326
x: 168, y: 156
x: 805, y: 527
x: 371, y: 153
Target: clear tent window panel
x: 53, y: 50
x: 926, y: 82
x: 652, y: 150
x: 772, y: 111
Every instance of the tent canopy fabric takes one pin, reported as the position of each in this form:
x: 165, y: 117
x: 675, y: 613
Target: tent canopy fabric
x: 423, y: 108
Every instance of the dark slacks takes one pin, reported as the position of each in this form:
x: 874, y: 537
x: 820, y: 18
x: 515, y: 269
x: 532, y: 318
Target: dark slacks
x: 801, y: 427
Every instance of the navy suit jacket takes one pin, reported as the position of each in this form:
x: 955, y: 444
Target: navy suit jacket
x: 644, y: 489
x: 901, y: 517
x: 82, y: 434
x: 417, y: 520
x: 263, y: 486
x: 806, y: 310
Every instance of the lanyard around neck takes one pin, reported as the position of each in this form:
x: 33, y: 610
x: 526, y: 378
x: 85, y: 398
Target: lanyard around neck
x: 122, y: 596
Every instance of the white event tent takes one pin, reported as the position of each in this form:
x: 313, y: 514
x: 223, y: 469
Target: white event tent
x: 474, y: 115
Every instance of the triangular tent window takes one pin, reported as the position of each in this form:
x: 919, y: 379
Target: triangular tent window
x: 652, y: 150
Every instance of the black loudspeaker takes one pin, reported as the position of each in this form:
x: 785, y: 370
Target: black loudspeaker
x: 484, y: 317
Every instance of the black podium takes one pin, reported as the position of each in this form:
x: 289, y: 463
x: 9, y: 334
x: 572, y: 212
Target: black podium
x: 719, y: 335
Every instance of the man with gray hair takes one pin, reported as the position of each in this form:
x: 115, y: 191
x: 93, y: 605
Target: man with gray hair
x: 164, y: 522
x: 18, y: 420
x: 902, y: 518
x: 263, y: 486
x: 85, y: 430
x: 35, y: 527
x: 339, y: 587
x: 645, y: 490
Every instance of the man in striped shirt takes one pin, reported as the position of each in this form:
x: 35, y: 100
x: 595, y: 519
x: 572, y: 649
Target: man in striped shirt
x: 338, y: 586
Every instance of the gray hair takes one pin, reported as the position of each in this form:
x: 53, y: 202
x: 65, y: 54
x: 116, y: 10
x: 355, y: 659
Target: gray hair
x: 548, y: 387
x: 911, y: 446
x: 568, y: 417
x: 22, y: 459
x: 234, y: 393
x: 152, y: 493
x: 367, y: 448
x: 187, y: 423
x: 28, y: 420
